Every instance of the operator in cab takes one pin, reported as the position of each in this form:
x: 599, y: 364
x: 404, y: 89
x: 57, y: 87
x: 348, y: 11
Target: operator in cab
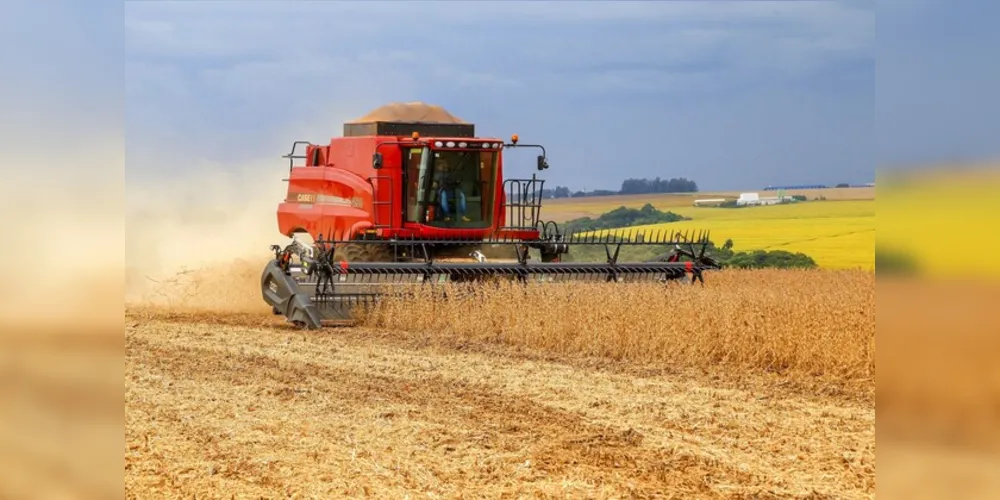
x: 449, y: 191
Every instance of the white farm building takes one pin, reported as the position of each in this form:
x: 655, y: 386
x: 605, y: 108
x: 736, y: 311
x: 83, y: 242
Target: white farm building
x: 709, y: 202
x: 752, y: 199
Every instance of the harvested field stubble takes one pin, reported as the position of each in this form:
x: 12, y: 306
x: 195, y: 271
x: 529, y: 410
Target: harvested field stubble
x: 803, y: 323
x: 218, y: 410
x: 223, y: 398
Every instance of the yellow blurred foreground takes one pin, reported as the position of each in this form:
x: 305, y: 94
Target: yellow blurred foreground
x: 939, y: 392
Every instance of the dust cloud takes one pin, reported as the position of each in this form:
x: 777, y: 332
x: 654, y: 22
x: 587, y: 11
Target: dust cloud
x: 62, y: 233
x: 200, y: 240
x: 200, y: 237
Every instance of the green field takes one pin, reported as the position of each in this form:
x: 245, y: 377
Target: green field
x: 836, y: 234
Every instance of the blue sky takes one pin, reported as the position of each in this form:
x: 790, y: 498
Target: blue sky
x: 938, y: 82
x: 730, y: 94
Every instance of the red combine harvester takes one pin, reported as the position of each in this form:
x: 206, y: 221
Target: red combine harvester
x: 410, y: 195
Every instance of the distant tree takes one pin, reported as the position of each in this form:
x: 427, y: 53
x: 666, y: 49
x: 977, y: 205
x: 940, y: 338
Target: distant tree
x: 658, y: 185
x: 632, y: 186
x: 558, y: 192
x: 596, y: 192
x: 781, y: 259
x: 758, y: 259
x: 622, y: 217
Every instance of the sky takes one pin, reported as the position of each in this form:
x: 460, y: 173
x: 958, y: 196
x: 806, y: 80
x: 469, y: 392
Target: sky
x: 733, y: 95
x: 938, y: 81
x: 730, y: 94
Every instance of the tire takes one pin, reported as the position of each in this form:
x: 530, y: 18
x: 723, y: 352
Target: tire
x: 364, y: 252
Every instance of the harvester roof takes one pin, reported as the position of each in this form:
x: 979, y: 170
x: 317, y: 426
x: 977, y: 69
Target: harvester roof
x: 404, y: 118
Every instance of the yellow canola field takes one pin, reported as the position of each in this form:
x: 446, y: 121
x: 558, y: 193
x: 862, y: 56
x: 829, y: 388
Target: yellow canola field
x: 947, y: 220
x: 836, y: 234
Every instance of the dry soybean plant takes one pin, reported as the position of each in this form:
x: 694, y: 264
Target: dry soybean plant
x: 812, y: 323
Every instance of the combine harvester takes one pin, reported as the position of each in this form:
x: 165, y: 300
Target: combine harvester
x: 410, y: 196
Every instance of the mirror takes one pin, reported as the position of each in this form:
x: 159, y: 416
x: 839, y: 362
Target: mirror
x: 377, y: 161
x: 542, y: 163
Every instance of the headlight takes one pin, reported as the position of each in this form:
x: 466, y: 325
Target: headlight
x: 437, y: 144
x: 450, y: 144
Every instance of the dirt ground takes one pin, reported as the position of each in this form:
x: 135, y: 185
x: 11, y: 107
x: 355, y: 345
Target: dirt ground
x: 243, y: 405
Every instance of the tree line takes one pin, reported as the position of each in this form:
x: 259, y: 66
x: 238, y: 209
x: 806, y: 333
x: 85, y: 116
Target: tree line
x: 630, y: 186
x: 621, y: 217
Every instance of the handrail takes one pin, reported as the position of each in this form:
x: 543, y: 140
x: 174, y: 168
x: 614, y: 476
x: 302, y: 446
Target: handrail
x: 524, y: 200
x: 378, y: 203
x: 292, y: 156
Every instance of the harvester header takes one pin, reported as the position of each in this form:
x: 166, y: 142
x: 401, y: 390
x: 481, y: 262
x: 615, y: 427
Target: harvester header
x: 410, y: 194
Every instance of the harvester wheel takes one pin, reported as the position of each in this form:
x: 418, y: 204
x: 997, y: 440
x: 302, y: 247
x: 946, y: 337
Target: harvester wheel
x: 363, y: 252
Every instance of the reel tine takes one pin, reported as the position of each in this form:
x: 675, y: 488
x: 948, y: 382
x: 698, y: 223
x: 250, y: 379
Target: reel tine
x: 334, y: 289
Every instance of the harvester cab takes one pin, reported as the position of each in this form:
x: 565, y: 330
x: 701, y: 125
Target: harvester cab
x: 455, y: 183
x: 411, y: 195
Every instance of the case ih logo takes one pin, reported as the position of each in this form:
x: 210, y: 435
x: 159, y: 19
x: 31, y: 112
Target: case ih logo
x: 325, y: 199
